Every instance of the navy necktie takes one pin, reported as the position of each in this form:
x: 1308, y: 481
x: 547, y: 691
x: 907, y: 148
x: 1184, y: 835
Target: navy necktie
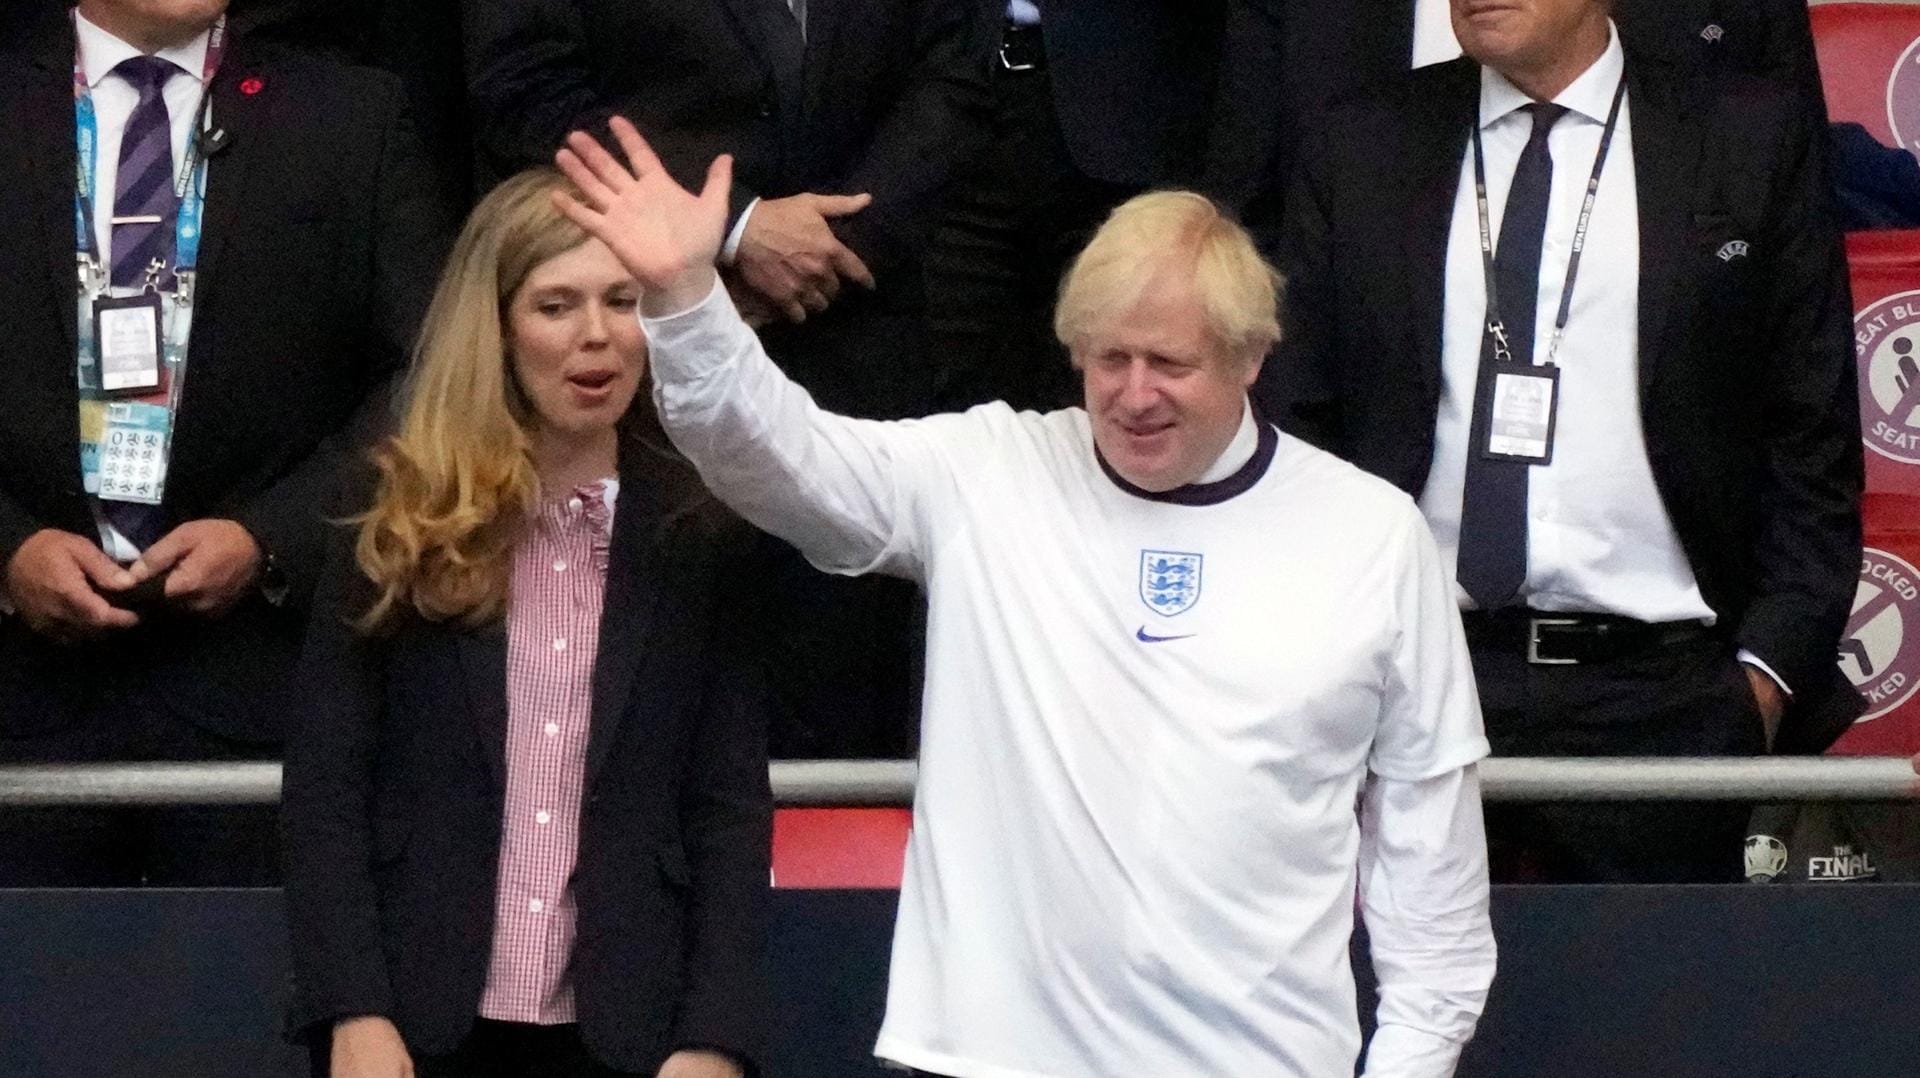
x: 143, y: 188
x: 1493, y: 509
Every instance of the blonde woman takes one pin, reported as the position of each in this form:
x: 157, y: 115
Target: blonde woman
x: 526, y: 802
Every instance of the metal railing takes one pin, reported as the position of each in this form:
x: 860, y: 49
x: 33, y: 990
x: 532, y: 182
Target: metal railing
x: 890, y: 782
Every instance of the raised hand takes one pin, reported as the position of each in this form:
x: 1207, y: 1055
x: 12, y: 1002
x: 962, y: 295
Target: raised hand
x: 665, y: 235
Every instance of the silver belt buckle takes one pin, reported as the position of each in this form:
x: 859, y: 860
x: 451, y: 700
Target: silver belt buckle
x: 1533, y: 642
x: 1009, y: 64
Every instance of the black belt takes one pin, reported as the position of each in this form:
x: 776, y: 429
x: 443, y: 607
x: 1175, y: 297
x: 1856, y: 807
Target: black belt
x: 1021, y: 48
x: 1550, y: 639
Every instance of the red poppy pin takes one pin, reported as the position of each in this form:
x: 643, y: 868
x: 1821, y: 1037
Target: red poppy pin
x: 252, y: 84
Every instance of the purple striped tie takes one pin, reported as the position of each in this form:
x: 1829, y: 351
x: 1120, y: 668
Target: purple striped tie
x: 144, y: 187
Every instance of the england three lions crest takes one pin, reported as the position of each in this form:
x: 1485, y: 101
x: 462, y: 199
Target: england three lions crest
x: 1169, y: 581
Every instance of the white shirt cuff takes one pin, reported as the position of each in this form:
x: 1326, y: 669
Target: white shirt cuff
x: 1759, y: 664
x: 731, y: 249
x: 1399, y: 1051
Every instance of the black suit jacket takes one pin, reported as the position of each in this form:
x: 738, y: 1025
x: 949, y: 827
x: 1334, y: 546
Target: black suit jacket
x: 1770, y: 39
x: 395, y: 788
x: 1168, y: 92
x: 883, y: 97
x: 323, y: 240
x: 1748, y: 398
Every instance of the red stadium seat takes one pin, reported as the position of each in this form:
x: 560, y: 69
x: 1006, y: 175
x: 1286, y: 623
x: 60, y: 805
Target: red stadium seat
x: 1870, y: 67
x: 840, y: 848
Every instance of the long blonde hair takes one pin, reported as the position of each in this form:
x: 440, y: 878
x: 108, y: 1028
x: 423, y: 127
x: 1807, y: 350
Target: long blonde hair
x: 457, y: 483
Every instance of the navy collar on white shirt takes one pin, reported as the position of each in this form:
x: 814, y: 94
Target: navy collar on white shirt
x: 1265, y: 441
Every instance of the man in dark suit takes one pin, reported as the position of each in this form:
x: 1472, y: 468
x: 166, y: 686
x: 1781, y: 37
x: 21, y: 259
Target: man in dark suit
x: 847, y: 121
x: 1652, y: 491
x: 316, y: 251
x: 1093, y: 104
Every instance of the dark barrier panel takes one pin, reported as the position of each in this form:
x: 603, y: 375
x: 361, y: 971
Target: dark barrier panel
x: 1607, y: 982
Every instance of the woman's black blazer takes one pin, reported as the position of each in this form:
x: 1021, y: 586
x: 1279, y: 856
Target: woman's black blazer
x: 394, y: 793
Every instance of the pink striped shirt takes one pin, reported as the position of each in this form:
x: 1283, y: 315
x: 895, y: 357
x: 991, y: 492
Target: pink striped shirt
x: 553, y: 635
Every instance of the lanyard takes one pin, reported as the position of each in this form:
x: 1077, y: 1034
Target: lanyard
x: 1496, y: 326
x: 189, y: 187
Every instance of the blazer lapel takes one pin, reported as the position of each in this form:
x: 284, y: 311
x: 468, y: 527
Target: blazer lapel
x: 823, y: 31
x: 39, y: 112
x: 1666, y: 150
x: 1430, y: 179
x: 772, y: 35
x: 245, y: 98
x: 483, y: 666
x: 635, y: 578
x: 1396, y: 19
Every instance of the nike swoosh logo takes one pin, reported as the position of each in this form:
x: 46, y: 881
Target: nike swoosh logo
x: 1146, y: 637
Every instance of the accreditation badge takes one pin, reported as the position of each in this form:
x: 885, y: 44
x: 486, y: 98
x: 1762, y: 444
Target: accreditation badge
x: 128, y: 344
x: 133, y: 452
x: 1525, y: 402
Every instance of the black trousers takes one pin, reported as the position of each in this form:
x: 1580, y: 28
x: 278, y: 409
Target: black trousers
x: 1677, y: 698
x: 501, y: 1050
x: 1013, y: 225
x: 188, y: 846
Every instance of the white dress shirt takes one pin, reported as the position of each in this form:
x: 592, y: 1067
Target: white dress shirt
x: 113, y: 102
x: 1433, y: 38
x: 1135, y: 847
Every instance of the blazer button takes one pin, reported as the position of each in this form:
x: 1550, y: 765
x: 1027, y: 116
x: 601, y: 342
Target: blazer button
x: 766, y: 111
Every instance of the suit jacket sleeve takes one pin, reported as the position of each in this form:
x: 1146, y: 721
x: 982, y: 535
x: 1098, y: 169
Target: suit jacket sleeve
x: 339, y: 969
x: 16, y: 524
x: 411, y: 232
x: 531, y: 81
x: 726, y: 811
x: 1299, y: 386
x: 1250, y: 113
x: 1807, y: 549
x: 922, y: 143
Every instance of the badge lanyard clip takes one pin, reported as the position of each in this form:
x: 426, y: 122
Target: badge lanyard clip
x: 1496, y: 326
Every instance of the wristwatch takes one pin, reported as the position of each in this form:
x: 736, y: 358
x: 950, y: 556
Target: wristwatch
x: 274, y: 585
